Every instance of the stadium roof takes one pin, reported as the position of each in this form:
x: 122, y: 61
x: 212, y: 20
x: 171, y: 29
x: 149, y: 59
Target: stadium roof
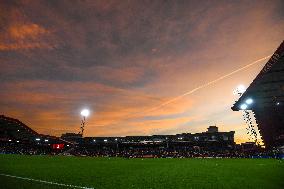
x: 267, y: 89
x: 13, y: 128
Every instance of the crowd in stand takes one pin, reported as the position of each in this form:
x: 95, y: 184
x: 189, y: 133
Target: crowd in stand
x: 171, y: 153
x: 151, y: 153
x: 24, y: 149
x: 133, y: 152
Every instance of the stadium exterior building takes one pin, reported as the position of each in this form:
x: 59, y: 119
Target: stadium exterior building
x: 72, y: 137
x: 266, y: 94
x: 212, y: 139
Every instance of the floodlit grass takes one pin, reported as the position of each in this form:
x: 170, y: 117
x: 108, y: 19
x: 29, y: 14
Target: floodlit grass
x: 104, y: 173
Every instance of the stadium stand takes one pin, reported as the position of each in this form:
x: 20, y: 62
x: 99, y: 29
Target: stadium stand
x: 18, y: 138
x: 266, y: 94
x: 13, y: 129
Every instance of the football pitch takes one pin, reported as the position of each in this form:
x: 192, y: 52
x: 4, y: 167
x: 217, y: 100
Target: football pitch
x: 20, y: 171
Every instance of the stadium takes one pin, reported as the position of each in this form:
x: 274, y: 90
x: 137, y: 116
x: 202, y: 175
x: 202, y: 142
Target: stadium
x: 141, y: 94
x: 210, y: 159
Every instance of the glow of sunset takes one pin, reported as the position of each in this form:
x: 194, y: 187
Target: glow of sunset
x: 142, y: 68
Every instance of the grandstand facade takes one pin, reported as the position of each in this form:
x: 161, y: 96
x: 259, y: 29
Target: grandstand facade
x: 267, y: 94
x: 210, y: 140
x: 18, y: 138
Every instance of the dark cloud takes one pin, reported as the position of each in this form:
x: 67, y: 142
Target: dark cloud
x: 85, y: 34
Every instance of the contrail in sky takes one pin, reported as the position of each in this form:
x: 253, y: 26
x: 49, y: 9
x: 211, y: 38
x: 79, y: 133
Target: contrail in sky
x: 194, y: 90
x: 206, y: 85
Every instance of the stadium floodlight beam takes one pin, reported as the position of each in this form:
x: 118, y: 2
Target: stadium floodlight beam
x: 249, y: 101
x: 84, y: 113
x: 240, y: 90
x: 244, y: 106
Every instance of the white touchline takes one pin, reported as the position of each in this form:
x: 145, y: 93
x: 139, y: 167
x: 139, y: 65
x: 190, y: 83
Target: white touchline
x: 46, y: 182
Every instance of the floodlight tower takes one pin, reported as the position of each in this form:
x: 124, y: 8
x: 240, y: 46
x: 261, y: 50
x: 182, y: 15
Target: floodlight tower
x: 84, y: 113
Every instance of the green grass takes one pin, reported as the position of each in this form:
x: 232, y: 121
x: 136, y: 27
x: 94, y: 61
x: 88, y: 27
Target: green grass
x: 106, y: 173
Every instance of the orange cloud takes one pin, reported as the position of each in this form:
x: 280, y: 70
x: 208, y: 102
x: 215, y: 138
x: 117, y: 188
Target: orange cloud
x: 20, y: 46
x: 21, y: 33
x: 26, y: 31
x: 149, y: 127
x: 26, y: 36
x: 112, y: 107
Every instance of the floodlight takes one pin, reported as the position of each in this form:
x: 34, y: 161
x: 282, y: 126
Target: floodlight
x: 85, y: 112
x: 241, y: 88
x: 18, y: 141
x: 94, y: 140
x: 105, y: 140
x: 10, y: 140
x: 243, y: 106
x: 46, y: 140
x: 37, y: 139
x: 249, y: 101
x: 116, y: 139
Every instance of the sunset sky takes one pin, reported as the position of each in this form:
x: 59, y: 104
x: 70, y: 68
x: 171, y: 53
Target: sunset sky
x: 123, y: 59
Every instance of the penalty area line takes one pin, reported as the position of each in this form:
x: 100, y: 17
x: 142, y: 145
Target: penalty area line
x: 46, y: 182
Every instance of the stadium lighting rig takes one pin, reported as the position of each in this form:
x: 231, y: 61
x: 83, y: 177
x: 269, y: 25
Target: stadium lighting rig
x: 239, y: 90
x: 249, y: 101
x: 84, y: 113
x: 244, y: 106
x: 247, y: 115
